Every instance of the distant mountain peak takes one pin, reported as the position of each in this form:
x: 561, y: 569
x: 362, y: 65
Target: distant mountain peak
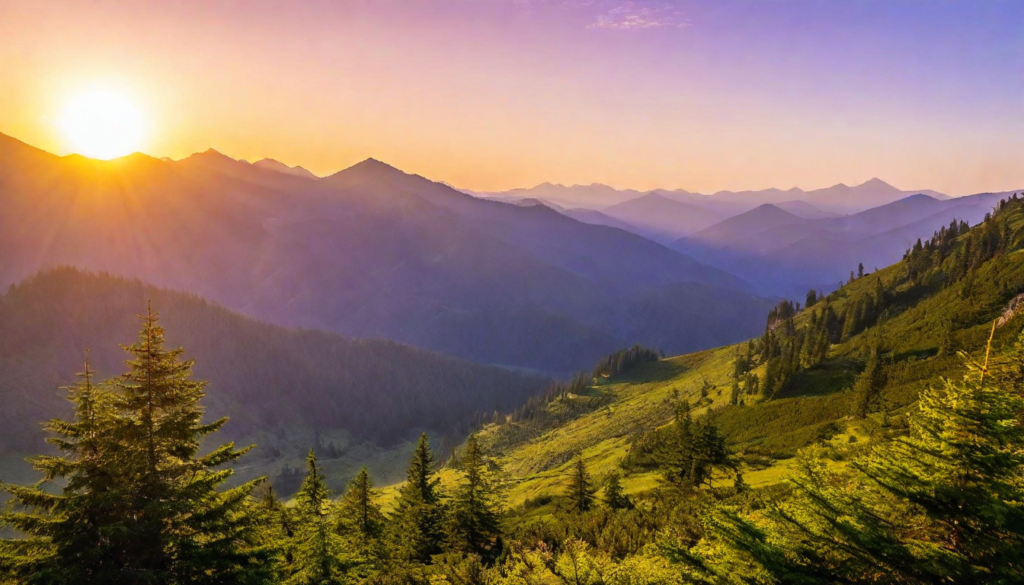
x: 367, y: 169
x: 375, y: 165
x: 212, y: 155
x: 876, y: 182
x: 275, y: 165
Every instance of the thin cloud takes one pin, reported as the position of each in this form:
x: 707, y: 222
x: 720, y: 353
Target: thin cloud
x: 640, y: 15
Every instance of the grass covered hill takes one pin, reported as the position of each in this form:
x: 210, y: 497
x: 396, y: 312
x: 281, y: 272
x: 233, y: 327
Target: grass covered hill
x: 841, y: 372
x: 284, y: 389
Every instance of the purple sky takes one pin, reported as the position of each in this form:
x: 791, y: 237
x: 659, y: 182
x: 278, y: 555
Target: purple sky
x: 494, y: 94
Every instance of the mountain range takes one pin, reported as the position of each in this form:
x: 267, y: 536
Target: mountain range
x: 787, y: 254
x: 368, y: 252
x: 668, y: 214
x: 782, y: 241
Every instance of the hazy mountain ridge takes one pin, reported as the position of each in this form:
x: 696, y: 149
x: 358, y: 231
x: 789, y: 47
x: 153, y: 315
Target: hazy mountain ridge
x: 839, y: 198
x: 269, y: 163
x: 369, y: 251
x: 274, y: 383
x: 786, y: 253
x: 669, y: 214
x: 927, y: 318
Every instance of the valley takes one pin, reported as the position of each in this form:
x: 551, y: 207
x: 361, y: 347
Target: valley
x: 504, y: 292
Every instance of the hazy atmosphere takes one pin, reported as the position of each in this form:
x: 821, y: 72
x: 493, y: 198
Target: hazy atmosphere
x: 511, y: 292
x: 495, y: 94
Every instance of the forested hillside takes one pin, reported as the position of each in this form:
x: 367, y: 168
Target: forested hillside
x: 284, y: 389
x: 870, y: 435
x: 843, y: 364
x: 830, y: 394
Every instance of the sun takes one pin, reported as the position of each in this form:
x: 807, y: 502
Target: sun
x: 102, y: 125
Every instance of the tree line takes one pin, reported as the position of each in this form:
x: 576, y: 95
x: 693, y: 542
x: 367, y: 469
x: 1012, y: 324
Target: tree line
x: 133, y: 498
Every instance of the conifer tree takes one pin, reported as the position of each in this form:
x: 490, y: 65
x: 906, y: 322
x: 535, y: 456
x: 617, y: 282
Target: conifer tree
x: 942, y: 505
x: 177, y: 528
x: 614, y: 496
x: 362, y: 523
x: 275, y: 525
x: 579, y: 492
x: 869, y: 384
x: 811, y: 299
x: 675, y: 454
x: 319, y: 552
x: 417, y: 523
x: 359, y: 514
x: 474, y: 521
x: 62, y: 543
x: 692, y: 451
x: 140, y: 505
x: 946, y: 340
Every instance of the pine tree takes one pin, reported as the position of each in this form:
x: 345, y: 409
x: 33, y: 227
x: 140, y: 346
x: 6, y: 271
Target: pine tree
x: 942, y: 505
x: 946, y: 340
x: 869, y: 384
x: 614, y: 496
x: 675, y: 454
x: 579, y: 492
x: 359, y: 513
x: 177, y: 528
x: 319, y: 552
x: 362, y: 523
x: 416, y: 530
x: 692, y: 451
x: 275, y: 525
x: 62, y: 543
x: 474, y: 522
x: 140, y: 505
x: 812, y: 298
x: 739, y: 484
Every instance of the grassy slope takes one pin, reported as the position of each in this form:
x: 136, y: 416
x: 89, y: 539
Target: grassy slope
x: 817, y: 406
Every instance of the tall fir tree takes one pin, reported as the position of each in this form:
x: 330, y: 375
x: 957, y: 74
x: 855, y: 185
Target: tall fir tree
x: 811, y: 299
x: 319, y: 555
x: 416, y: 527
x: 474, y: 521
x: 276, y: 526
x: 359, y: 514
x: 580, y: 491
x: 869, y: 384
x: 361, y: 522
x: 614, y: 496
x: 177, y: 528
x: 692, y: 450
x: 140, y: 505
x: 62, y: 541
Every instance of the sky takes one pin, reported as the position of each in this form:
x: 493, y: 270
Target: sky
x: 497, y: 94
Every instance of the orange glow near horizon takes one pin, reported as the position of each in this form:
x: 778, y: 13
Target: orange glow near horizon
x: 496, y: 95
